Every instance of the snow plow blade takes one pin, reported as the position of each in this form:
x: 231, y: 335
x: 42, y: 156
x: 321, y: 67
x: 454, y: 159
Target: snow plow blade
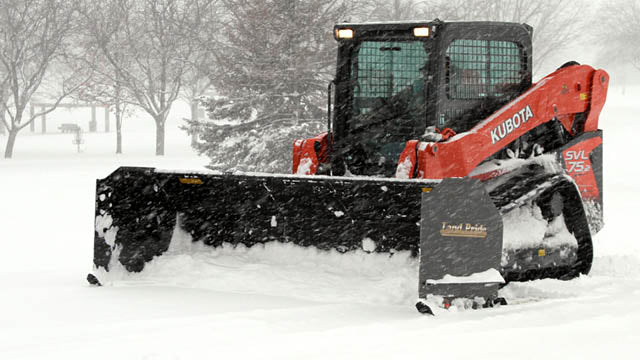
x: 137, y: 210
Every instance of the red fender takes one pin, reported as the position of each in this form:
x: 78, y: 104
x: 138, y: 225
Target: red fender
x: 310, y: 153
x: 408, y: 159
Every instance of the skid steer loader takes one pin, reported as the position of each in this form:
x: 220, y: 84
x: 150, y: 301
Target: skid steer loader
x: 438, y: 143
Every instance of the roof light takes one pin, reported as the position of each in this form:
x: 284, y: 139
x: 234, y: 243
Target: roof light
x: 421, y: 31
x: 344, y: 33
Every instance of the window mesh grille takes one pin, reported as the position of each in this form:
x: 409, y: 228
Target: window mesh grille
x: 384, y: 69
x: 481, y: 68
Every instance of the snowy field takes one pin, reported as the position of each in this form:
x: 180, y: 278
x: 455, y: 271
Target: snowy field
x: 282, y: 302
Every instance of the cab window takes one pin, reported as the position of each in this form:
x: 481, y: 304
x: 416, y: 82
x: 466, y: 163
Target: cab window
x: 476, y: 69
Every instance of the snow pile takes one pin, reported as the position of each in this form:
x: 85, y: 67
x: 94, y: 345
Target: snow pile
x: 611, y: 278
x: 304, y: 168
x: 548, y: 162
x: 525, y: 226
x: 278, y: 269
x: 284, y: 269
x: 558, y: 235
x: 104, y: 229
x: 488, y: 276
x: 403, y: 171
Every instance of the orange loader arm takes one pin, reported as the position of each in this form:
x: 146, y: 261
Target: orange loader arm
x: 562, y: 94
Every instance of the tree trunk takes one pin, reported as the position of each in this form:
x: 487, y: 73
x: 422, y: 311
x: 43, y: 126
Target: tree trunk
x: 194, y: 117
x: 160, y: 121
x: 119, y: 114
x: 11, y: 140
x: 118, y: 135
x: 119, y: 111
x: 2, y: 118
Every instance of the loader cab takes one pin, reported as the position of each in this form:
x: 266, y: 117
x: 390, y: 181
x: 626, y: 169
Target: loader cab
x: 395, y: 80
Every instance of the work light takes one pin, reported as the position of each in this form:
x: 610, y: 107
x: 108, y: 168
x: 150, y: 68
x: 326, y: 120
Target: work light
x: 421, y: 31
x: 344, y: 33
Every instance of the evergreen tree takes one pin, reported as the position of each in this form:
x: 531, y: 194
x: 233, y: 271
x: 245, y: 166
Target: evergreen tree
x: 274, y: 62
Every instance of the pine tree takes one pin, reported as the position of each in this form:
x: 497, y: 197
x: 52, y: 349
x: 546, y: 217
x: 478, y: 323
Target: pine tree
x: 275, y: 60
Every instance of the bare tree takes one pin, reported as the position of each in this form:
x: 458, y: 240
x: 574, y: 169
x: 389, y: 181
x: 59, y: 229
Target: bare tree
x: 33, y: 38
x: 157, y: 38
x: 199, y: 79
x: 395, y: 10
x: 3, y: 111
x: 106, y: 91
x: 556, y: 23
x: 105, y: 86
x: 620, y: 42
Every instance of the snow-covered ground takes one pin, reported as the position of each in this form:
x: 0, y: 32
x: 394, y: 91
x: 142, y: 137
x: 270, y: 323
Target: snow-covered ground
x: 257, y: 303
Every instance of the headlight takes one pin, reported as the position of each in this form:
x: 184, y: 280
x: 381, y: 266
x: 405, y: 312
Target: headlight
x: 421, y: 31
x: 344, y: 33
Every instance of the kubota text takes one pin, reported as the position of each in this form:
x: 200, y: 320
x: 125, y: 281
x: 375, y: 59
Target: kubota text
x: 511, y: 124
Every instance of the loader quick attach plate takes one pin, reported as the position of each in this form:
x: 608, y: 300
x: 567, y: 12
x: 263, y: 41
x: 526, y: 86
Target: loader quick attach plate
x: 460, y: 242
x: 137, y: 210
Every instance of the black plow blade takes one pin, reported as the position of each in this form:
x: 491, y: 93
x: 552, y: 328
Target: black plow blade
x: 137, y: 210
